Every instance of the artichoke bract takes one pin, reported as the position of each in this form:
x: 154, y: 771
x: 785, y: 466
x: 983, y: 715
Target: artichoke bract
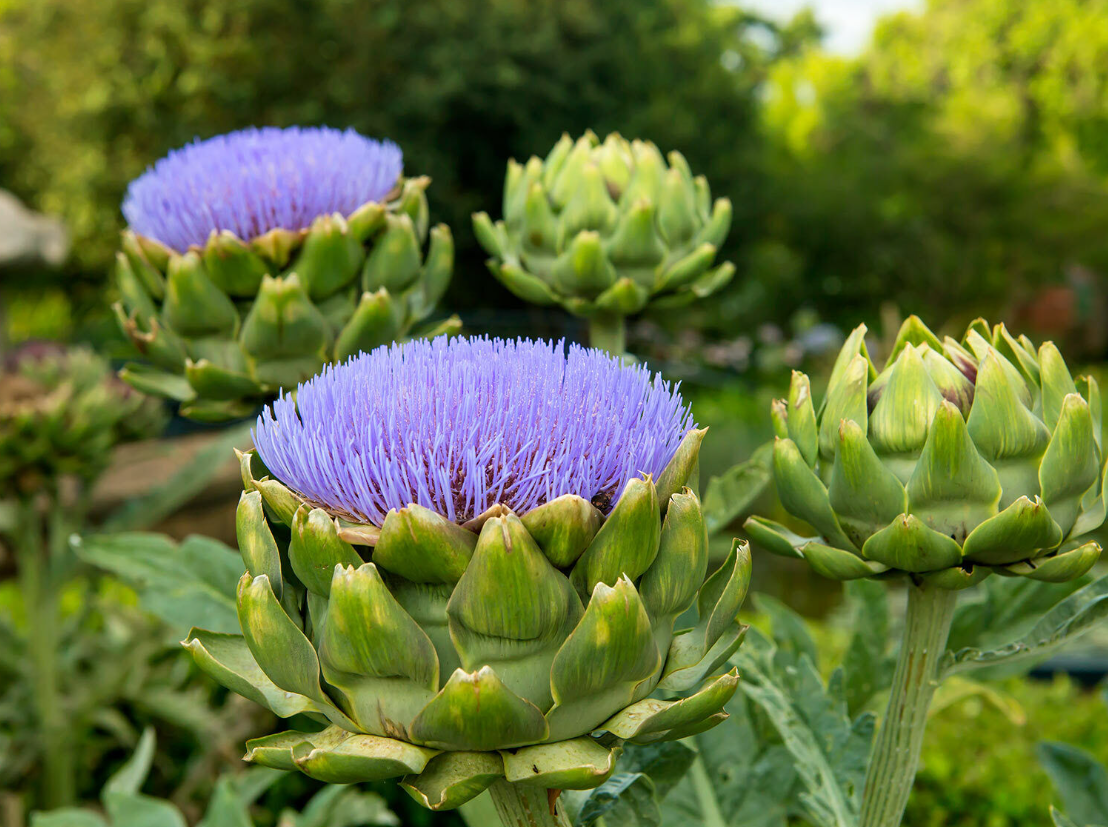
x: 254, y: 258
x: 466, y: 558
x: 957, y: 460
x: 61, y: 411
x: 604, y: 228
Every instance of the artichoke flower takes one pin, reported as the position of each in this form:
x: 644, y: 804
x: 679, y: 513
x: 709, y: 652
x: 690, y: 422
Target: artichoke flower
x: 466, y: 558
x: 254, y: 258
x: 603, y: 229
x: 956, y: 460
x: 61, y: 411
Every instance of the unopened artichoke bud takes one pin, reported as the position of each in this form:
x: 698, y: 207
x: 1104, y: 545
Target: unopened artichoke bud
x: 607, y: 228
x: 253, y: 259
x: 61, y: 411
x: 956, y: 460
x: 457, y: 561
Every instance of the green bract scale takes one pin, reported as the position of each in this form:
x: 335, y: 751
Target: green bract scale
x: 254, y: 259
x: 511, y: 648
x: 956, y: 460
x: 606, y: 228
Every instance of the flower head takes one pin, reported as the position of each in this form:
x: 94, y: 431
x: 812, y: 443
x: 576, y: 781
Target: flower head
x: 256, y: 180
x: 459, y: 425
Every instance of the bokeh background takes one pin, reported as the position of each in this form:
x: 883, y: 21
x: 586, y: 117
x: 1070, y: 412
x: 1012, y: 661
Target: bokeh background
x: 947, y: 158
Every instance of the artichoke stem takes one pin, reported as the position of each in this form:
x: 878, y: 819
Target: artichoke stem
x: 522, y: 806
x: 895, y: 757
x: 40, y: 598
x: 607, y: 331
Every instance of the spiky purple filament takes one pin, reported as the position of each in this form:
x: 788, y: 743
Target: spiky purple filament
x: 257, y: 180
x: 462, y: 424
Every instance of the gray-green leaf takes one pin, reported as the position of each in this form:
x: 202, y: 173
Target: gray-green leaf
x: 1080, y: 780
x: 188, y: 584
x: 1068, y: 619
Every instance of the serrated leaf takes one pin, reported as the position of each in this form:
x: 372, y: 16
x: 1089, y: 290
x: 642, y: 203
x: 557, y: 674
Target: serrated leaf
x: 743, y: 776
x: 1071, y: 617
x: 789, y: 629
x: 1080, y: 780
x: 624, y: 800
x: 867, y: 668
x: 186, y: 584
x: 830, y: 752
x: 1003, y: 608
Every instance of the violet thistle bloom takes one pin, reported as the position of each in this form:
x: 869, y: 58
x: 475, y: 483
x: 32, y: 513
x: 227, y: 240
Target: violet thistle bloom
x: 487, y: 545
x: 459, y: 426
x: 257, y: 180
x: 255, y: 258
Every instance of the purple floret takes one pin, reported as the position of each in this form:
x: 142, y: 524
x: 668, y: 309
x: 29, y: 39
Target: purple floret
x: 257, y: 180
x: 459, y: 425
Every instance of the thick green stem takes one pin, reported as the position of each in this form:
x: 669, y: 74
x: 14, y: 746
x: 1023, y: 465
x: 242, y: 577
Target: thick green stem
x: 892, y: 767
x: 520, y: 806
x: 40, y: 596
x: 607, y: 331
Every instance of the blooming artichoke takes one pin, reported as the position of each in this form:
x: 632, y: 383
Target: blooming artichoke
x: 467, y: 559
x: 61, y: 411
x: 603, y: 229
x: 957, y: 460
x: 254, y: 258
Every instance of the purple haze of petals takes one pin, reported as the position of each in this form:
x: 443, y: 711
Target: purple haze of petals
x: 462, y: 424
x: 257, y: 180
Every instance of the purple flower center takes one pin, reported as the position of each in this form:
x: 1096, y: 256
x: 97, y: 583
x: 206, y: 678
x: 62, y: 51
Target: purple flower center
x: 257, y: 180
x: 462, y: 424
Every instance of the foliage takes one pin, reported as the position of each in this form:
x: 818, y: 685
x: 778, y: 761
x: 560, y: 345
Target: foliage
x: 89, y: 95
x: 119, y: 669
x: 796, y: 747
x: 980, y: 770
x: 952, y: 168
x: 1080, y: 780
x: 125, y: 805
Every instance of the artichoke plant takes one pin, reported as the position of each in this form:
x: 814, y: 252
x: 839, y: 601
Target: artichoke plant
x: 604, y: 229
x: 955, y: 461
x: 254, y: 258
x: 61, y: 411
x: 466, y: 558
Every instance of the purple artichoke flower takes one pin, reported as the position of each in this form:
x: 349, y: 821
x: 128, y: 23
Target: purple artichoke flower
x: 460, y: 425
x: 256, y: 180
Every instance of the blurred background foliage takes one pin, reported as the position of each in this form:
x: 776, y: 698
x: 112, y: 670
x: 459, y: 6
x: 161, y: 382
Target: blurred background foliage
x: 957, y: 166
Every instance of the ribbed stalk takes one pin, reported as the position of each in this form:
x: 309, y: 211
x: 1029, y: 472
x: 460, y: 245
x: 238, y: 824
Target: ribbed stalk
x: 520, y: 806
x: 40, y: 598
x: 895, y: 758
x: 608, y: 331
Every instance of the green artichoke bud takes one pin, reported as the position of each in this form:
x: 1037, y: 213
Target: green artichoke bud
x: 455, y: 655
x: 228, y: 318
x: 454, y: 649
x: 606, y: 228
x: 956, y: 460
x: 61, y: 411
